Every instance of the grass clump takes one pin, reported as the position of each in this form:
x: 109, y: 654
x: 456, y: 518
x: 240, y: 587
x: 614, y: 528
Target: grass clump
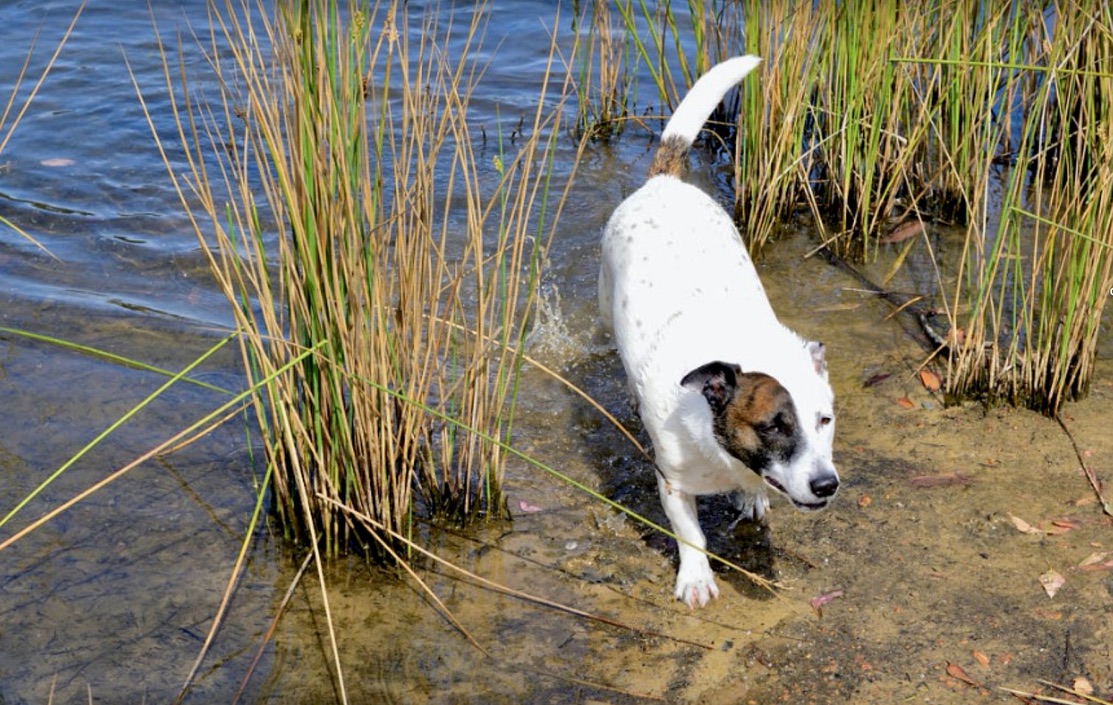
x: 335, y: 188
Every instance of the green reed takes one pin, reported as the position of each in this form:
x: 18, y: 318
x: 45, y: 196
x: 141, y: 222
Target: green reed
x: 870, y: 115
x: 336, y: 190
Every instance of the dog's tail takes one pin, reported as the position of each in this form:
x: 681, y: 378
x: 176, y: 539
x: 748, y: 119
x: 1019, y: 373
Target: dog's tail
x: 686, y: 122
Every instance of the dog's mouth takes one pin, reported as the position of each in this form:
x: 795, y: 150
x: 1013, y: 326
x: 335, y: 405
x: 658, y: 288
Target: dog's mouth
x: 802, y: 506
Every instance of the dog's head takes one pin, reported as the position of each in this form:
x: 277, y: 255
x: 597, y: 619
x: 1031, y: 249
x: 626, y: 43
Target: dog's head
x: 784, y: 438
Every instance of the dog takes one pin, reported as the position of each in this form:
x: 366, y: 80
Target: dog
x: 733, y: 400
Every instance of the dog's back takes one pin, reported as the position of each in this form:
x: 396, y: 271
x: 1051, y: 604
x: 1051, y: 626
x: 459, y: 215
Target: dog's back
x: 671, y: 232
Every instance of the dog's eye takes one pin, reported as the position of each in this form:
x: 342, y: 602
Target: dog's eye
x: 825, y: 421
x: 778, y: 426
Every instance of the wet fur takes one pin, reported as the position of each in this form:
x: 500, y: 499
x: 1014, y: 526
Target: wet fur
x: 733, y: 400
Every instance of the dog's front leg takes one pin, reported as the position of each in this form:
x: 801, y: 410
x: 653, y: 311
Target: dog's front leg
x: 695, y: 583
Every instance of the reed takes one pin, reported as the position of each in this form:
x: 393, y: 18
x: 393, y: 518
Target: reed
x: 1037, y: 278
x: 336, y: 191
x: 603, y: 85
x: 871, y: 115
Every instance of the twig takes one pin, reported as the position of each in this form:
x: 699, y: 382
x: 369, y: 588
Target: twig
x: 1105, y: 505
x: 273, y: 626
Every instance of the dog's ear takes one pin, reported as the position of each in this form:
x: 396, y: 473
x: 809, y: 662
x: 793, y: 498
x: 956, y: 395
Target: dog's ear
x: 819, y: 357
x: 716, y: 381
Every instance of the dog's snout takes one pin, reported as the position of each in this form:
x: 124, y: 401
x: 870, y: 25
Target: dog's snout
x: 825, y: 485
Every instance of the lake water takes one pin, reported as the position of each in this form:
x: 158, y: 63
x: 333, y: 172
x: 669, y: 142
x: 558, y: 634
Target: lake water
x: 113, y: 599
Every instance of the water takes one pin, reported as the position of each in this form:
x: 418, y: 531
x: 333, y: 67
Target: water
x: 113, y: 599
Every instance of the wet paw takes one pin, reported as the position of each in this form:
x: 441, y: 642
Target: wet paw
x: 751, y: 507
x: 695, y: 583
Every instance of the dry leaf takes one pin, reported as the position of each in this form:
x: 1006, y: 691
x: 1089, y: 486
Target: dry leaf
x: 902, y: 232
x: 930, y: 380
x: 1082, y: 686
x: 1098, y: 560
x: 1095, y: 557
x: 1051, y: 581
x: 955, y: 336
x: 822, y: 599
x: 527, y: 507
x: 864, y: 501
x: 980, y: 658
x: 1058, y: 527
x: 944, y: 480
x: 906, y: 403
x: 1023, y: 526
x: 877, y: 379
x: 956, y: 671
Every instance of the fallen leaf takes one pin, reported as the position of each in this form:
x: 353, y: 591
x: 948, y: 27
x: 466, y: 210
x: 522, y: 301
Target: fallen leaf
x: 945, y: 480
x: 956, y: 671
x: 1023, y: 526
x: 57, y: 161
x: 823, y: 598
x: 864, y: 501
x: 955, y: 336
x: 1098, y: 560
x: 906, y: 403
x: 980, y: 658
x: 930, y: 380
x: 1051, y: 581
x: 1057, y: 527
x: 902, y: 232
x: 527, y: 507
x: 1082, y: 686
x: 877, y: 379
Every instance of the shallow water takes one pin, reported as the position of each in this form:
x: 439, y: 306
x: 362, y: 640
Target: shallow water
x: 114, y: 597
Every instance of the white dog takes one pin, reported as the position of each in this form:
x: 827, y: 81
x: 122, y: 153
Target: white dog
x: 733, y: 400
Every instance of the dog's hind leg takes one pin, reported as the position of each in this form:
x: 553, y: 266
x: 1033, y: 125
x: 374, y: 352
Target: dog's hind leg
x: 695, y: 583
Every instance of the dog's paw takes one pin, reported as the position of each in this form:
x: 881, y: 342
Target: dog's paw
x: 695, y: 583
x: 751, y: 507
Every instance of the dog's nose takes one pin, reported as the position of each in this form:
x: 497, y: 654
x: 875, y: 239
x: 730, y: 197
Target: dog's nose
x: 825, y: 485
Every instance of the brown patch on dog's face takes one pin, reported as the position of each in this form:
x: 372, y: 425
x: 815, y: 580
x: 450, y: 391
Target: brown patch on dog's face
x: 753, y: 416
x: 759, y: 425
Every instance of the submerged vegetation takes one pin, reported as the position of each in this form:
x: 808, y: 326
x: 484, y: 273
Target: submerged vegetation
x: 315, y: 188
x: 881, y: 120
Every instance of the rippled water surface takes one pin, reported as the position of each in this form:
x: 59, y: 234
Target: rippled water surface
x: 113, y: 599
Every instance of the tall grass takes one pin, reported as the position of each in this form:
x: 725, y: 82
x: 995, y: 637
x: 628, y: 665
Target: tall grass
x: 873, y: 117
x: 603, y: 85
x: 336, y: 190
x: 1037, y: 277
